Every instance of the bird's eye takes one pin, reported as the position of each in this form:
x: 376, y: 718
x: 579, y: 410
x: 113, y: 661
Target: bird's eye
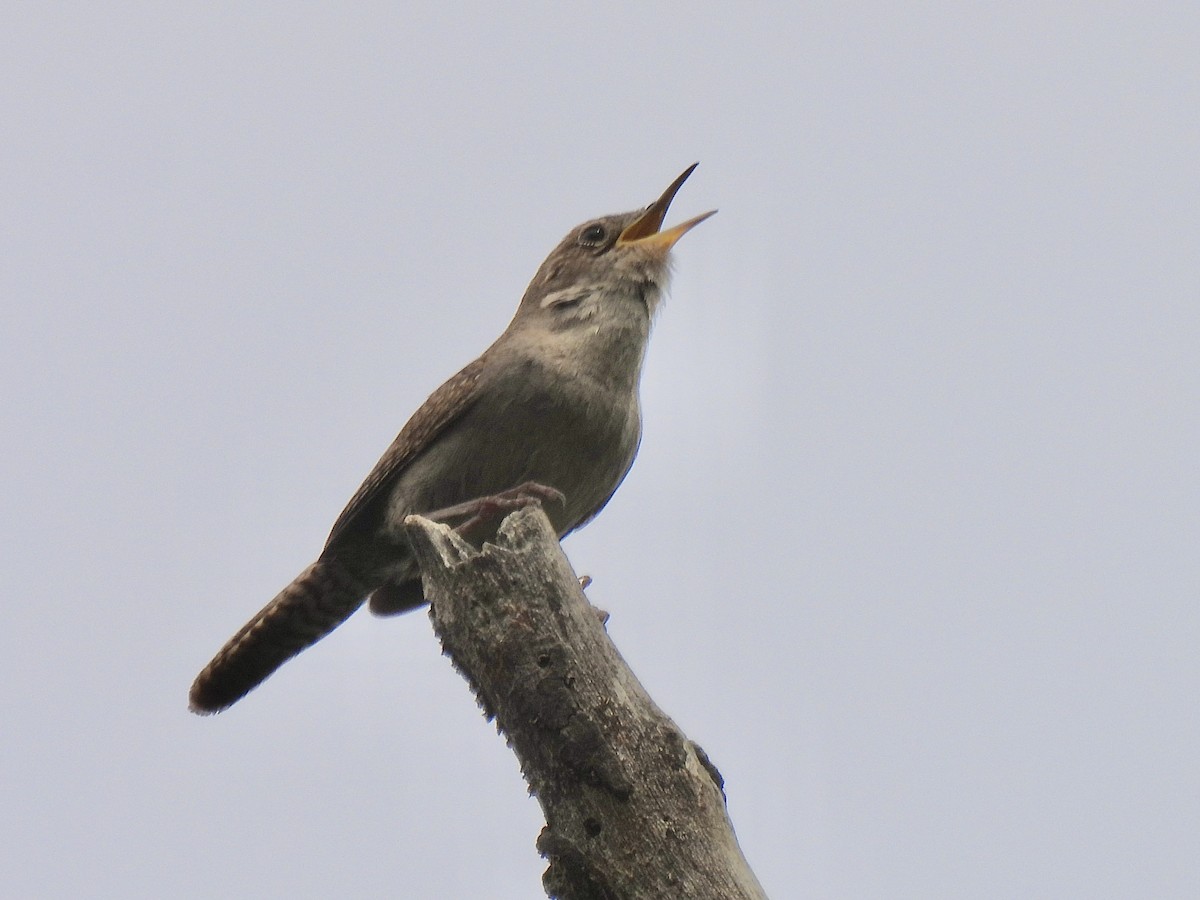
x: 592, y: 236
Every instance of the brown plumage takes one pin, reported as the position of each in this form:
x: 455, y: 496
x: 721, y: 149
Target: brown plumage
x: 553, y: 401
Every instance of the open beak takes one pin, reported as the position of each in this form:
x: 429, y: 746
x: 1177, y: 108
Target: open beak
x: 645, y: 229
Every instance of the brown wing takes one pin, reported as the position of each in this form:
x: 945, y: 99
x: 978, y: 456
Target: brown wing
x: 444, y: 405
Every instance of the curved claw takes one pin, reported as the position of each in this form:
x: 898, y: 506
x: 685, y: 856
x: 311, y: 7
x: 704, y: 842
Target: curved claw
x: 485, y: 510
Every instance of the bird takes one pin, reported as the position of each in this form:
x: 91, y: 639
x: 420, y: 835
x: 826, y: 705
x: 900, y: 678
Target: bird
x: 550, y: 412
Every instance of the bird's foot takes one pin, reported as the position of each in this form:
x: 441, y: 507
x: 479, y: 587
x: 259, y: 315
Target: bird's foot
x: 485, y: 510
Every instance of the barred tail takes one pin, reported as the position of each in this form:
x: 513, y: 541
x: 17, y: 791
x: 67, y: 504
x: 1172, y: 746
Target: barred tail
x: 321, y: 598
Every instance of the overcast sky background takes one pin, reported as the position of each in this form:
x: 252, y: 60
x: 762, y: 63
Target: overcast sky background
x: 912, y: 547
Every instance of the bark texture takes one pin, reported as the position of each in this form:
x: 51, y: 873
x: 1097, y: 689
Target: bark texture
x: 633, y: 808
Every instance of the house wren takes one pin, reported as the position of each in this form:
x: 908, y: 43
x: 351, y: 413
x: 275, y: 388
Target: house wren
x: 549, y: 410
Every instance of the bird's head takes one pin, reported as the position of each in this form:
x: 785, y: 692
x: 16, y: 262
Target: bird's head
x: 610, y: 260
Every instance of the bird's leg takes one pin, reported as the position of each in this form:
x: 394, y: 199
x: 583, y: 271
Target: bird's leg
x: 483, y: 510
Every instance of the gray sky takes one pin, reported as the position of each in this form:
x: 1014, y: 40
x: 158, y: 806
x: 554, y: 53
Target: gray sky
x: 911, y: 545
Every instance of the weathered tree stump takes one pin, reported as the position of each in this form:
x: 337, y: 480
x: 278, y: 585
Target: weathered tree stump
x: 633, y: 808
